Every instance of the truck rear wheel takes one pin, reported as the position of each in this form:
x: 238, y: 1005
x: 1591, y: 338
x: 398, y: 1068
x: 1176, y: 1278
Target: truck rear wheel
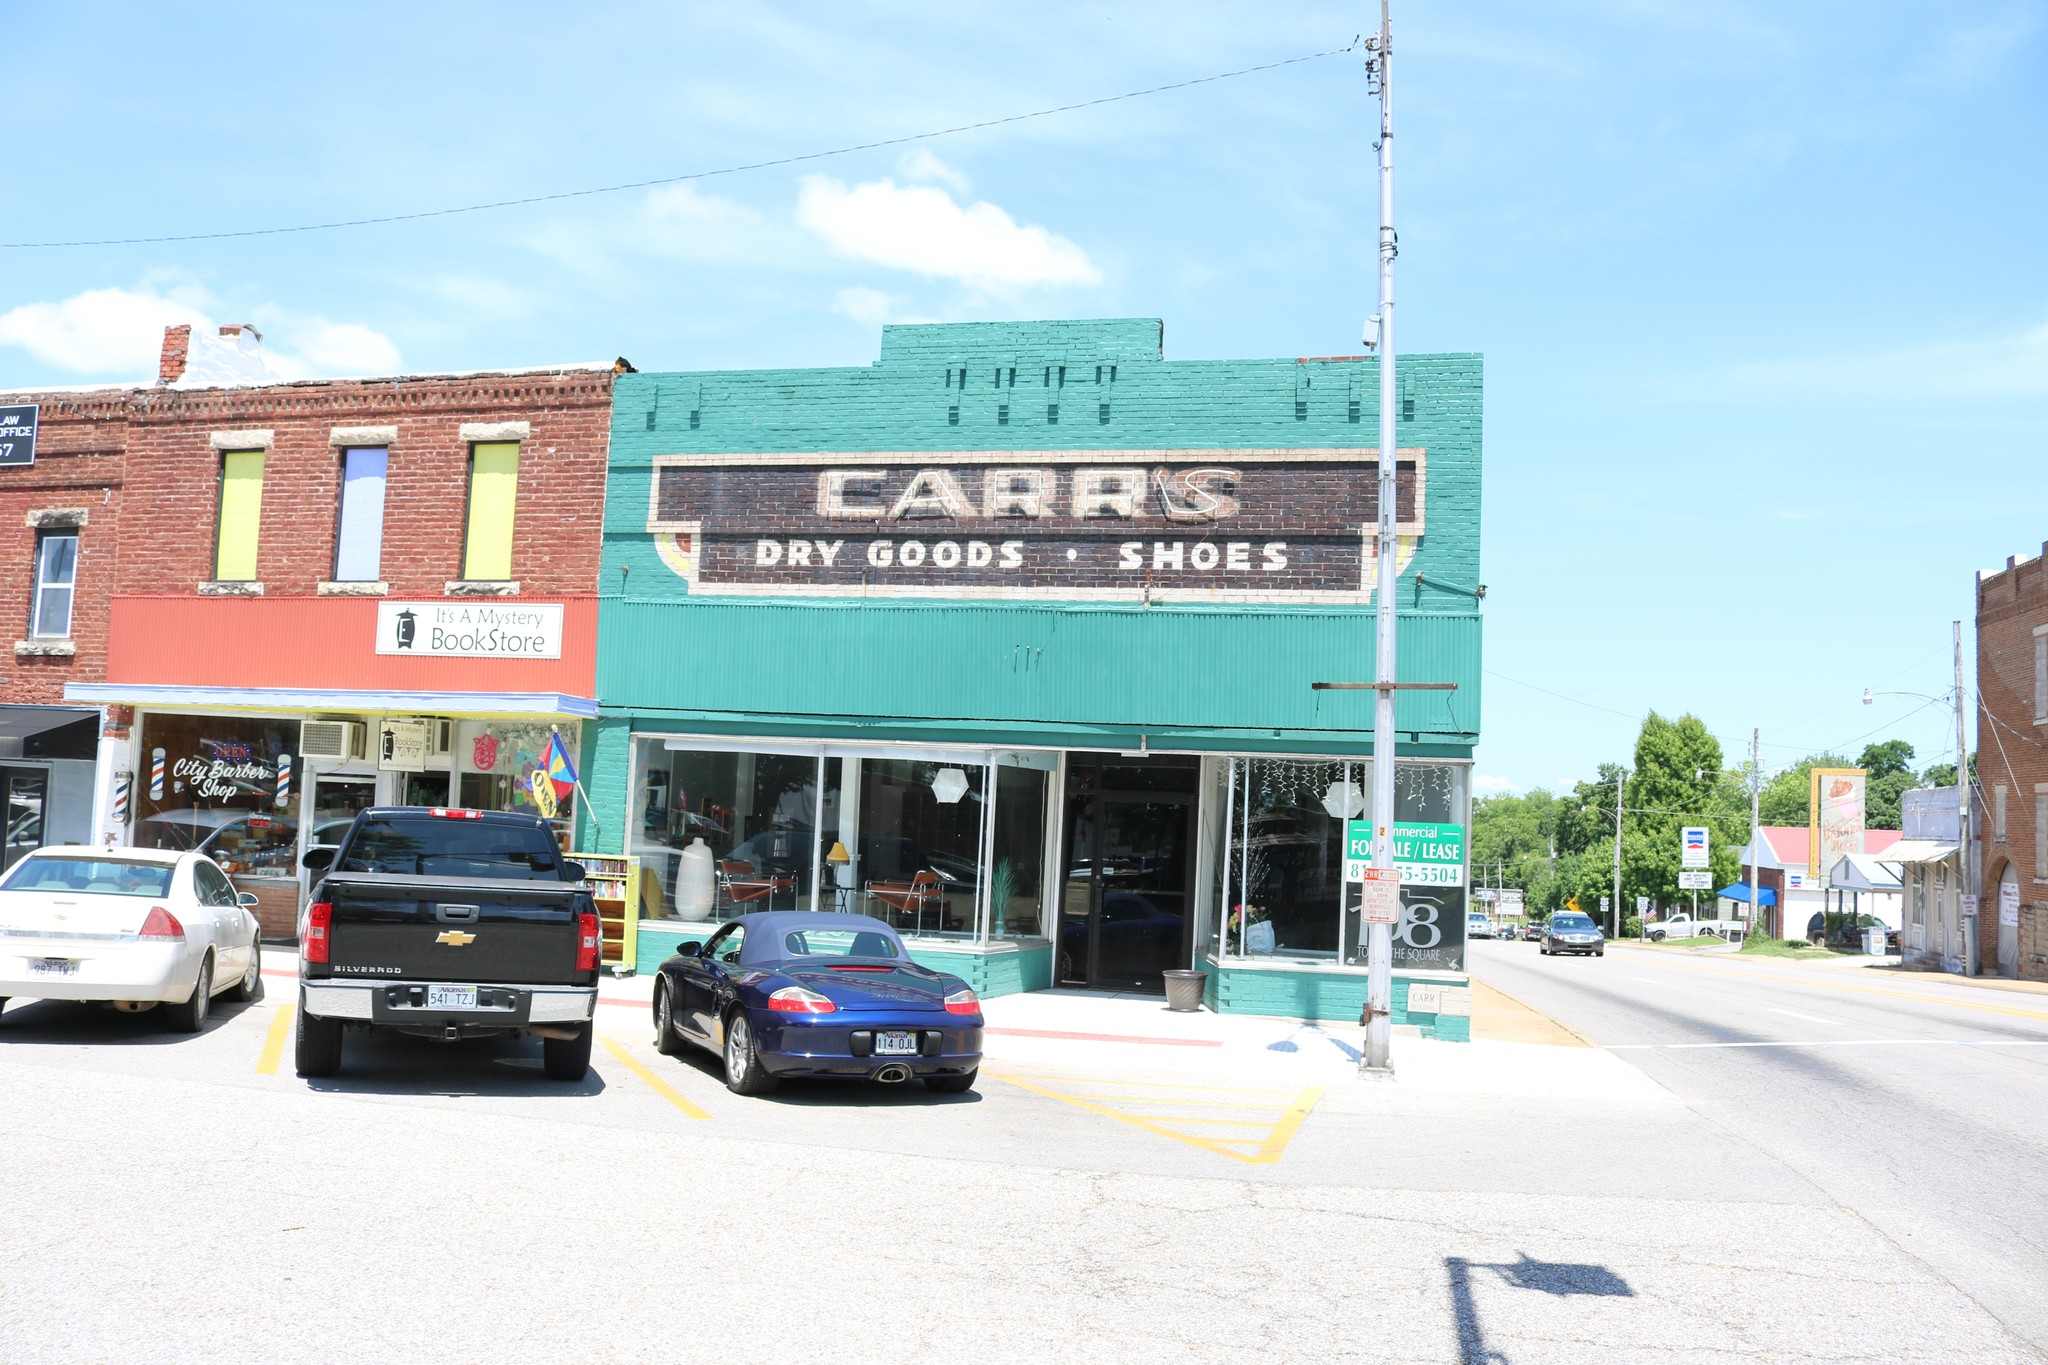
x: 567, y: 1059
x: 319, y: 1044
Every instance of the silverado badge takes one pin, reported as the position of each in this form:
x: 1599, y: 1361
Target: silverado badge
x: 455, y: 938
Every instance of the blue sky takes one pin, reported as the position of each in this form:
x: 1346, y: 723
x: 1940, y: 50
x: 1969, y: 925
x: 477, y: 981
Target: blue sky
x: 1760, y: 286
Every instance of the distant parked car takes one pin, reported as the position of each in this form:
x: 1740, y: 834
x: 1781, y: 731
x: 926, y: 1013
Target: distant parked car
x: 1573, y: 932
x: 1532, y: 932
x: 1479, y: 924
x: 130, y: 928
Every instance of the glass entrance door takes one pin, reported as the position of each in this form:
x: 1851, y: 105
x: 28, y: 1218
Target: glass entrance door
x: 26, y: 789
x: 1123, y: 908
x: 333, y: 804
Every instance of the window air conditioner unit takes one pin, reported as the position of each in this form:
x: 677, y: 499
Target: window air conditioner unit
x: 440, y: 737
x: 335, y: 741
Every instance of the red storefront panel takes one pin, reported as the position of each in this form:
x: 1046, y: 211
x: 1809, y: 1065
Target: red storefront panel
x: 325, y: 643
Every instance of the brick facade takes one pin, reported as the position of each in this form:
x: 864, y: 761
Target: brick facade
x: 2012, y: 753
x: 174, y: 470
x: 75, y: 481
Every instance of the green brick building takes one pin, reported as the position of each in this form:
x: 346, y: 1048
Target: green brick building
x: 1009, y: 638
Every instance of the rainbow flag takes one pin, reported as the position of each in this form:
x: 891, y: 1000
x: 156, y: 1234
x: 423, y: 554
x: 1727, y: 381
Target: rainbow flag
x: 556, y: 764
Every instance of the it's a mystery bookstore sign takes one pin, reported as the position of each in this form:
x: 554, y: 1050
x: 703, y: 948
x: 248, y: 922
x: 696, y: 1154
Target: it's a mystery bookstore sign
x: 1267, y: 525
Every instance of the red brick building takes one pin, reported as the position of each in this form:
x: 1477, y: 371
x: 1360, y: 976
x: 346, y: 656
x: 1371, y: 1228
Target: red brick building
x: 2012, y: 767
x: 324, y: 594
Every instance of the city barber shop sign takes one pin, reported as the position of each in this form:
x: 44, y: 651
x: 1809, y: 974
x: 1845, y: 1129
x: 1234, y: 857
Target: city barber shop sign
x: 1187, y: 525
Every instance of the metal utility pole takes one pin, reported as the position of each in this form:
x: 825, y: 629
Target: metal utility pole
x: 1756, y: 832
x: 1379, y: 956
x: 1969, y: 924
x: 1614, y: 920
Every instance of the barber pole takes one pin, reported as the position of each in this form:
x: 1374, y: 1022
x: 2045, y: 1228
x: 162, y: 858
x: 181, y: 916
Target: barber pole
x: 284, y: 780
x: 123, y: 784
x: 156, y: 774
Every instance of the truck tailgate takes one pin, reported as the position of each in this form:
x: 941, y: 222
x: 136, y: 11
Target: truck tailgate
x: 460, y: 929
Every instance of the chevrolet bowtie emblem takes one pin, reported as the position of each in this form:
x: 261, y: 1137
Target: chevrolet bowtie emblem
x: 455, y: 938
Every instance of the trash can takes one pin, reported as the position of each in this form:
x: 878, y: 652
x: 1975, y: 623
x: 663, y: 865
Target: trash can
x: 1184, y: 989
x: 1873, y: 940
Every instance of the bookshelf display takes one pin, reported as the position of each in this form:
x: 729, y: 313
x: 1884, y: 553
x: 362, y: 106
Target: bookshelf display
x: 615, y: 886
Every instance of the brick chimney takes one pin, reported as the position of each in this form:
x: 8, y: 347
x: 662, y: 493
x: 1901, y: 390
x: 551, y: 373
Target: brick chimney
x: 170, y: 366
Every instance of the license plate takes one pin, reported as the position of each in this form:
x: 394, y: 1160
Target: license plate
x: 895, y: 1043
x: 451, y: 997
x: 54, y: 966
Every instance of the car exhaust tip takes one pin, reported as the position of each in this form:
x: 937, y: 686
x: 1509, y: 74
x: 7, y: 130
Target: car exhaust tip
x: 893, y: 1075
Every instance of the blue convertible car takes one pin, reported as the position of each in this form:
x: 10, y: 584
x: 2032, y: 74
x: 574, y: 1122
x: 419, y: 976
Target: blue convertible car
x: 833, y: 995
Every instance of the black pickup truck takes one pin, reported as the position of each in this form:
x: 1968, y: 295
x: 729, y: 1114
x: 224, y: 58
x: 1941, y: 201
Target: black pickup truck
x: 449, y: 924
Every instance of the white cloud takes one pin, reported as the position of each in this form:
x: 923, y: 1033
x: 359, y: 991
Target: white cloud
x: 119, y: 333
x: 922, y: 164
x: 923, y: 229
x: 101, y: 331
x: 1486, y: 784
x: 868, y: 307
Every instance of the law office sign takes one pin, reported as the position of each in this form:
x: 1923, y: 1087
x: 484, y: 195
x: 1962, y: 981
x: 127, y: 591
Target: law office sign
x: 1425, y: 854
x: 494, y: 629
x: 18, y: 424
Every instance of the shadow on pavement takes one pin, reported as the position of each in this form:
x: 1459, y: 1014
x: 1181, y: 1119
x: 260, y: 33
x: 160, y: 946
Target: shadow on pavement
x: 1560, y: 1279
x: 494, y: 1068
x: 74, y: 1023
x: 812, y: 1093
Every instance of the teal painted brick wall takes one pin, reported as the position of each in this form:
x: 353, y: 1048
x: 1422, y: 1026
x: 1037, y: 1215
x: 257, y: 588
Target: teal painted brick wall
x: 1193, y: 655
x: 1319, y: 996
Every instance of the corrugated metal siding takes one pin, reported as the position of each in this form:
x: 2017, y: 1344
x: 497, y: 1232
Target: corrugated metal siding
x: 1049, y: 665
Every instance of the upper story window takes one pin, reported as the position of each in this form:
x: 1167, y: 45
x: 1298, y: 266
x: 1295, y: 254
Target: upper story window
x: 56, y: 581
x: 359, y: 533
x: 493, y: 497
x: 241, y: 515
x: 2041, y: 675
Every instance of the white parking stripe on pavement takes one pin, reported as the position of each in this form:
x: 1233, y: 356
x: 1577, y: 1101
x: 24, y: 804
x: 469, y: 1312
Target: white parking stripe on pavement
x: 1809, y: 1018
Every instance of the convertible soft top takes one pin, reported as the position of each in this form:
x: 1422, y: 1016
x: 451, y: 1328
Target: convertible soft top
x: 766, y: 933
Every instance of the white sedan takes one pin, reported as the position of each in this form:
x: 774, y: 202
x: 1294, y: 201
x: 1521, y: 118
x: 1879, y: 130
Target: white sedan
x: 131, y: 928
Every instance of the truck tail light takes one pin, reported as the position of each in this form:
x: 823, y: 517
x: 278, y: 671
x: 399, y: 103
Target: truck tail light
x: 589, y: 940
x: 319, y: 920
x: 161, y: 924
x: 454, y: 813
x: 797, y: 1000
x: 963, y: 1001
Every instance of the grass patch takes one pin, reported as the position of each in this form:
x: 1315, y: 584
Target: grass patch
x: 1759, y: 946
x: 1697, y: 941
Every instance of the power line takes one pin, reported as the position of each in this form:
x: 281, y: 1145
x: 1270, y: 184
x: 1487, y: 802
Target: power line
x: 693, y: 175
x: 1576, y: 701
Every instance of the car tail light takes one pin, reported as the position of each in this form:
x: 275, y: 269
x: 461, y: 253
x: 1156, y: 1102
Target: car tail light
x: 963, y: 1001
x: 454, y: 813
x: 319, y: 920
x: 589, y: 941
x: 797, y: 1000
x: 161, y: 924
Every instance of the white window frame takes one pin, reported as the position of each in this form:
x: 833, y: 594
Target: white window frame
x: 71, y: 588
x: 2041, y: 674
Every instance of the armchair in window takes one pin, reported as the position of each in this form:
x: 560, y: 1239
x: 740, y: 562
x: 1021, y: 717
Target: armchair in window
x: 911, y: 900
x: 739, y: 884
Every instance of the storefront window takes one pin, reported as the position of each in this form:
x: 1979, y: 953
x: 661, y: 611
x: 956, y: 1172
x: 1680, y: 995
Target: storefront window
x: 1280, y: 891
x: 903, y: 835
x: 222, y: 785
x: 495, y: 764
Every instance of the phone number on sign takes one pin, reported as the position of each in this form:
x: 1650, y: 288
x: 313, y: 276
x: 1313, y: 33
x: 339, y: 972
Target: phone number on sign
x: 1431, y: 874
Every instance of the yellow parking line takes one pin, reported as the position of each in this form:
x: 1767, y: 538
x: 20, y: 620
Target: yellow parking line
x: 1178, y: 1103
x: 654, y: 1082
x: 1270, y: 1147
x: 1156, y: 1085
x: 273, y: 1042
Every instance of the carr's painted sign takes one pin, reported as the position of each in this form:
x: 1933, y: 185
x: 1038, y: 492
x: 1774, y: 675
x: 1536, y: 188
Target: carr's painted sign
x: 492, y: 629
x: 1264, y: 525
x: 18, y: 434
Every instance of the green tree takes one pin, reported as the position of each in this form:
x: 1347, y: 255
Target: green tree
x: 1784, y: 799
x: 1890, y: 768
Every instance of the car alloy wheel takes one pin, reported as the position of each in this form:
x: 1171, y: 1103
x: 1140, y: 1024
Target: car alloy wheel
x: 190, y: 1017
x: 744, y: 1074
x: 665, y: 1040
x: 251, y: 984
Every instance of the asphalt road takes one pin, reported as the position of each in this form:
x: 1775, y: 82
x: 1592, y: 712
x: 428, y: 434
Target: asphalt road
x: 1917, y: 1103
x: 165, y: 1197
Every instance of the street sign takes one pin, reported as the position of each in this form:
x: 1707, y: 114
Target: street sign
x: 18, y: 434
x: 1382, y: 888
x: 1695, y: 881
x: 1603, y: 905
x: 1642, y: 905
x: 1425, y: 854
x: 1692, y: 851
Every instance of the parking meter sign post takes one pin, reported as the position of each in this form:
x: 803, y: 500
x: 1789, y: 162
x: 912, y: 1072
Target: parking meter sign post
x: 1382, y: 896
